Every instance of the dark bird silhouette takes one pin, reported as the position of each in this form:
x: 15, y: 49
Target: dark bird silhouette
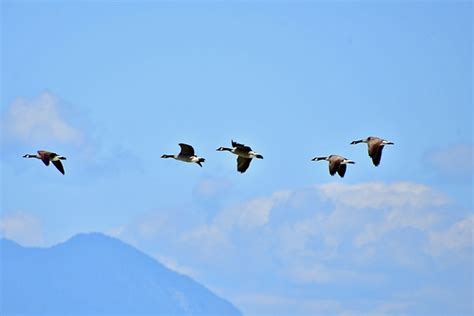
x: 336, y: 164
x: 244, y: 153
x: 46, y: 157
x: 375, y: 146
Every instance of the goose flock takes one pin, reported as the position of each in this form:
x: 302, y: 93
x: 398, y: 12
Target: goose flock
x: 245, y: 154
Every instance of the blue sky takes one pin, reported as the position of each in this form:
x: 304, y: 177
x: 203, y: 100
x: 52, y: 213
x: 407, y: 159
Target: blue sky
x: 114, y: 85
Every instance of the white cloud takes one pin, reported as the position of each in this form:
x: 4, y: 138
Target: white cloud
x: 349, y: 234
x: 210, y: 239
x: 354, y: 226
x: 23, y: 228
x: 353, y: 223
x: 379, y: 195
x: 367, y: 212
x: 418, y: 219
x: 319, y: 273
x: 115, y: 231
x: 173, y: 264
x: 216, y: 236
x: 39, y: 120
x: 256, y: 212
x: 458, y: 236
x: 250, y: 214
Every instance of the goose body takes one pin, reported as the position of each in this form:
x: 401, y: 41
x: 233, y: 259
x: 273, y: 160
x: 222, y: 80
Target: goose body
x: 375, y: 146
x: 336, y: 164
x: 244, y: 153
x: 46, y: 157
x: 187, y: 155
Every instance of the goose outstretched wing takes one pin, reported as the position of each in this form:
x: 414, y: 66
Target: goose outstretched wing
x: 186, y: 150
x: 243, y: 164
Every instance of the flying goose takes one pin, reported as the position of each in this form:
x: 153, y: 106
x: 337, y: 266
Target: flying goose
x: 244, y: 155
x: 186, y: 154
x: 375, y: 146
x: 46, y: 157
x: 336, y: 164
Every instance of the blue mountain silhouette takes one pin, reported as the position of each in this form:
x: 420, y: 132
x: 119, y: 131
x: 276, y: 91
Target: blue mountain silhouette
x: 93, y: 274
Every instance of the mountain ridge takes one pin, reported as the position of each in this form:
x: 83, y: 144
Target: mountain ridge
x: 95, y: 274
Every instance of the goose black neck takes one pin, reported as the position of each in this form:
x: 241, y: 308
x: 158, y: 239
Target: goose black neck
x: 319, y: 158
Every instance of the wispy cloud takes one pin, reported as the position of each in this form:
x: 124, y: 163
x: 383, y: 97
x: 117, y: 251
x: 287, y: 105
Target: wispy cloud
x: 24, y: 228
x: 320, y: 273
x: 273, y: 304
x: 39, y: 120
x: 47, y: 122
x: 212, y: 187
x: 458, y: 236
x: 455, y: 161
x: 173, y: 264
x: 379, y: 195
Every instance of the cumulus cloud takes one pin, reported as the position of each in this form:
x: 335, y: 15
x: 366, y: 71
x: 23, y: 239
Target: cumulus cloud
x: 23, y: 228
x: 395, y: 219
x: 39, y: 120
x: 334, y: 233
x: 252, y: 214
x: 347, y: 220
x: 256, y: 212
